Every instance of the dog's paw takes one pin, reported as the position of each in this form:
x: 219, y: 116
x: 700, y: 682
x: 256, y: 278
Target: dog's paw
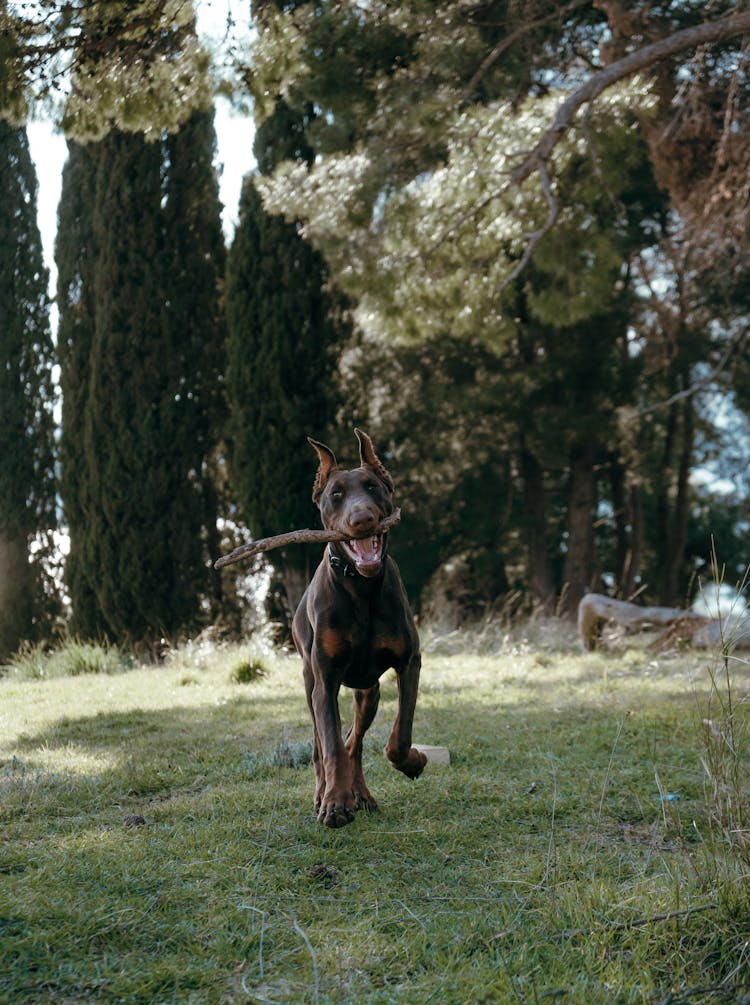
x: 364, y: 799
x: 336, y: 811
x: 411, y: 764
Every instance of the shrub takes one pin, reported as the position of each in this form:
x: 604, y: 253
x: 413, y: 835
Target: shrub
x: 248, y: 670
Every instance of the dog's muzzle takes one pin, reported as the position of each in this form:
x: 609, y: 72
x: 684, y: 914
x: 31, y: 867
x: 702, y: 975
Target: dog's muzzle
x: 365, y: 554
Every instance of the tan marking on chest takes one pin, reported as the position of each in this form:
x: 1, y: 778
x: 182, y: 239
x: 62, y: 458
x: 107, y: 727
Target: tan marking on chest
x: 333, y: 643
x: 395, y: 644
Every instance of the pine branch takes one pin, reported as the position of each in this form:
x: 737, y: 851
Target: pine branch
x: 524, y: 29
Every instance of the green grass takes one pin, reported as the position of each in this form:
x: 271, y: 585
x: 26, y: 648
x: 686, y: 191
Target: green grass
x: 158, y: 843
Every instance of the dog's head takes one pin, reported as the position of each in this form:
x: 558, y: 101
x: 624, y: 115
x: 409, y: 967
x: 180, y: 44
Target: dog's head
x: 353, y: 503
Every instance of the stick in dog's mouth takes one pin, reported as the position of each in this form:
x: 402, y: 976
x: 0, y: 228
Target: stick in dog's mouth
x: 303, y: 537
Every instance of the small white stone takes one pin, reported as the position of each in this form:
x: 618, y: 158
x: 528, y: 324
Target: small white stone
x: 434, y: 755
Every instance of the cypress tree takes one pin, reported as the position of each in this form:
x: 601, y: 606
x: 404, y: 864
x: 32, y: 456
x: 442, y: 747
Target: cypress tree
x: 195, y: 326
x: 26, y: 393
x: 130, y: 474
x: 75, y: 255
x: 140, y: 258
x: 283, y: 329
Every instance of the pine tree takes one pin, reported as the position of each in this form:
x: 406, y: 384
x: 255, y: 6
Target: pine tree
x: 140, y: 258
x: 283, y: 329
x: 26, y: 393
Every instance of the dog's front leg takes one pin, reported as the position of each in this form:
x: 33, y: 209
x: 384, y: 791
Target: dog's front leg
x: 320, y: 780
x: 398, y: 749
x: 338, y: 803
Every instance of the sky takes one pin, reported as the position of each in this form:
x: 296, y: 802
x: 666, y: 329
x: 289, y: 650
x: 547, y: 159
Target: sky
x: 234, y: 134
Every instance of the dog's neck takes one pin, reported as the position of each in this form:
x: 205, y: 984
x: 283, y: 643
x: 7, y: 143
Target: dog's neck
x: 340, y: 565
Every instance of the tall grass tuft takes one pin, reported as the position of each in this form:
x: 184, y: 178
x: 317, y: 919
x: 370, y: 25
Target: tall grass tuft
x: 500, y: 637
x: 725, y: 753
x: 73, y: 659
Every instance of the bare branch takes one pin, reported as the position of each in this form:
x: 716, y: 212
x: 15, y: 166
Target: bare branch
x: 700, y: 385
x: 119, y: 35
x: 535, y: 160
x: 704, y: 34
x: 299, y: 537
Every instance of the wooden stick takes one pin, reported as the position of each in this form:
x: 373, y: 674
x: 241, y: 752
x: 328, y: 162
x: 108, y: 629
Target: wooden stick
x: 300, y: 537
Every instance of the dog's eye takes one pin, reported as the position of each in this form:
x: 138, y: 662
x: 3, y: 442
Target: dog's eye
x: 370, y: 486
x: 337, y: 494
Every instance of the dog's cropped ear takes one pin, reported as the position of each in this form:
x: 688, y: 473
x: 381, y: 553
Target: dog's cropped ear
x: 326, y: 464
x: 368, y: 456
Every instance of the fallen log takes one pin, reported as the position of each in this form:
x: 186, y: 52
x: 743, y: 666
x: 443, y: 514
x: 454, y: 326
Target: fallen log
x: 300, y: 537
x: 595, y: 610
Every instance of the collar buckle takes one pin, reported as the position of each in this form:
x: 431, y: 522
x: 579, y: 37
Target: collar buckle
x: 339, y: 565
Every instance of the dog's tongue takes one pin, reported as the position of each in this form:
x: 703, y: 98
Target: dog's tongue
x: 366, y: 551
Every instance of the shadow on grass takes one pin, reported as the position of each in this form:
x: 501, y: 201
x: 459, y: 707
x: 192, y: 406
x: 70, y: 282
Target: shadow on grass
x: 188, y: 867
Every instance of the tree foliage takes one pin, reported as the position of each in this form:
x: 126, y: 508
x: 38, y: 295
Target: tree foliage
x: 76, y: 259
x: 537, y: 211
x: 414, y: 200
x: 26, y: 395
x: 134, y: 66
x: 473, y: 135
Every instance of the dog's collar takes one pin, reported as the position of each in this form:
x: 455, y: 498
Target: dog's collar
x: 340, y: 564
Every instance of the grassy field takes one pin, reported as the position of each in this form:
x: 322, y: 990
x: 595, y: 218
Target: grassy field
x: 158, y: 844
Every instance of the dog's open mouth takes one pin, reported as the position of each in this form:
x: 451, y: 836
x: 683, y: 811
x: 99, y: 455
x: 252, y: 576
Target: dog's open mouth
x: 366, y: 554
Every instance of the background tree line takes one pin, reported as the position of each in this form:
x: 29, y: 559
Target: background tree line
x: 539, y: 348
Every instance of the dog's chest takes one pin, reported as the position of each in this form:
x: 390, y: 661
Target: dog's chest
x: 366, y: 652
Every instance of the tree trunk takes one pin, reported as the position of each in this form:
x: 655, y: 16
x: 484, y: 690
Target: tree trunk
x: 662, y: 526
x: 681, y: 511
x: 632, y: 570
x: 16, y: 594
x: 578, y: 571
x: 538, y: 564
x: 628, y: 529
x: 672, y: 517
x: 595, y: 611
x: 622, y: 535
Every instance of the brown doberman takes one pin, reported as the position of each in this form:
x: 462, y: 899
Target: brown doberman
x: 352, y: 624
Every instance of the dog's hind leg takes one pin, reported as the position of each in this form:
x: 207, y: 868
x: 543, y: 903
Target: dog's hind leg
x: 365, y: 706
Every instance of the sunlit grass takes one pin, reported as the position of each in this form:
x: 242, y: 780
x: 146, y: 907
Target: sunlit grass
x: 158, y: 843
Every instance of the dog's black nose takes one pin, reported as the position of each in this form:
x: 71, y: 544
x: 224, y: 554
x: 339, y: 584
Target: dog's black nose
x: 362, y: 521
